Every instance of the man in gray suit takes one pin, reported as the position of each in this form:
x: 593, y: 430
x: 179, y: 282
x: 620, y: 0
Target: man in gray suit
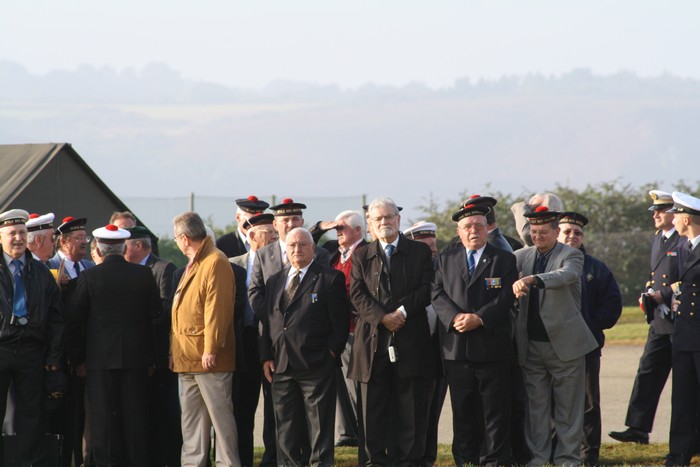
x: 269, y: 260
x: 552, y: 339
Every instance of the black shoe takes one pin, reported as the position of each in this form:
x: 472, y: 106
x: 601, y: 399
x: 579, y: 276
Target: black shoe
x: 346, y: 442
x: 630, y: 435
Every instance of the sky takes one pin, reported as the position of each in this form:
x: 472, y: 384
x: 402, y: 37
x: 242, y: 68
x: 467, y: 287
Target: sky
x: 351, y: 43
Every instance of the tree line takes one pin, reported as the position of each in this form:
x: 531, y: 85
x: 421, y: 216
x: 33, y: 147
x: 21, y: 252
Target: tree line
x: 619, y: 233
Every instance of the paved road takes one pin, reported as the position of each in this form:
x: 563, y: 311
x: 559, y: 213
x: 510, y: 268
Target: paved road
x: 618, y: 368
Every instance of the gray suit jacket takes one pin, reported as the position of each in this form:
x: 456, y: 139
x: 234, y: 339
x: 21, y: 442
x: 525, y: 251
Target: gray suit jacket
x: 268, y: 261
x: 560, y: 303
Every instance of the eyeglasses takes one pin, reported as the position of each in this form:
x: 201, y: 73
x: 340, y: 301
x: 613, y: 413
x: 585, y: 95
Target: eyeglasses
x: 575, y: 233
x: 177, y: 237
x: 82, y: 238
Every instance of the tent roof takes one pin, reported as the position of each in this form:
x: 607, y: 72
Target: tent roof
x: 22, y: 163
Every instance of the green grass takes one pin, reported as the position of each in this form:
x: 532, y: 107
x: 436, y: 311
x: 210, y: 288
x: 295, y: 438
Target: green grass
x: 623, y: 454
x: 631, y: 328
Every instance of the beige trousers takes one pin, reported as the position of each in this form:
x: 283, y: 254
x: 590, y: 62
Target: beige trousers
x: 205, y: 400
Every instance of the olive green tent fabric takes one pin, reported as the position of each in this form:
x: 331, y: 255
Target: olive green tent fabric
x: 41, y: 178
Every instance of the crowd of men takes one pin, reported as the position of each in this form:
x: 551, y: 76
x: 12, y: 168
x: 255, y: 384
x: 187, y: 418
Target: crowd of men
x: 353, y: 343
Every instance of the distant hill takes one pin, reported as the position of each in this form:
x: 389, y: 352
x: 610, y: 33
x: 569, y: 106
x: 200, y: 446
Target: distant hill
x: 153, y: 133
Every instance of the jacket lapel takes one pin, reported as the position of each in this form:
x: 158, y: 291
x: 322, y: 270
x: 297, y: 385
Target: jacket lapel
x: 479, y: 269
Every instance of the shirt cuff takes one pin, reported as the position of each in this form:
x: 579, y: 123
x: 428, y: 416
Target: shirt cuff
x: 403, y: 311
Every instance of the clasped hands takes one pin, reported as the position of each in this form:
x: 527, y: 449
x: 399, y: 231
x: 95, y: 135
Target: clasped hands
x: 464, y: 322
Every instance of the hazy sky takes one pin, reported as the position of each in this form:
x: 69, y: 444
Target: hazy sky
x: 353, y: 42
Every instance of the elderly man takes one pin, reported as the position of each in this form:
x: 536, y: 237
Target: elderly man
x: 304, y: 332
x: 247, y: 379
x: 601, y: 306
x: 40, y: 239
x: 268, y: 261
x: 236, y: 243
x: 655, y: 363
x: 522, y: 226
x: 166, y: 439
x: 349, y: 227
x: 552, y: 340
x: 32, y: 333
x: 116, y: 302
x: 472, y: 296
x: 72, y: 248
x: 392, y: 358
x: 686, y: 334
x: 202, y: 345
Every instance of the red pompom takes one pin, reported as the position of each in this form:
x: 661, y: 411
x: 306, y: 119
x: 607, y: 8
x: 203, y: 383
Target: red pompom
x: 253, y: 198
x: 33, y: 215
x: 111, y: 227
x: 541, y: 209
x: 474, y: 196
x: 287, y: 201
x: 68, y: 219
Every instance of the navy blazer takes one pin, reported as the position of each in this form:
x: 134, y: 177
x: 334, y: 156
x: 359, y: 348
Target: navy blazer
x: 686, y: 329
x: 487, y: 293
x: 315, y: 322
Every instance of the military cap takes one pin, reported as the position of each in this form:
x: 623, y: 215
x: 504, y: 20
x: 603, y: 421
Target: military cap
x: 571, y: 217
x: 37, y: 222
x: 481, y: 200
x: 252, y: 205
x: 110, y: 233
x: 542, y: 215
x: 288, y: 208
x: 469, y: 209
x: 685, y: 204
x: 139, y: 231
x: 13, y: 217
x: 660, y: 200
x: 260, y: 219
x: 421, y: 229
x: 71, y: 224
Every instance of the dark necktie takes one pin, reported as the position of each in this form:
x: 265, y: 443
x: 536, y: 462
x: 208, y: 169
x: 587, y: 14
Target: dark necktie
x: 76, y: 265
x: 470, y: 261
x: 291, y: 290
x: 19, y: 306
x: 389, y: 250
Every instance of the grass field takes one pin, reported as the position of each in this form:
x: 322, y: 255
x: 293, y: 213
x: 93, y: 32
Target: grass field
x: 631, y: 328
x: 610, y: 454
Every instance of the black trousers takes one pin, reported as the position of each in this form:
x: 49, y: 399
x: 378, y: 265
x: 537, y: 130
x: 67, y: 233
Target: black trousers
x: 590, y: 445
x: 395, y: 415
x: 246, y: 393
x: 23, y: 364
x: 684, y: 405
x: 119, y: 416
x: 654, y: 367
x: 312, y: 392
x: 480, y: 395
x: 164, y: 406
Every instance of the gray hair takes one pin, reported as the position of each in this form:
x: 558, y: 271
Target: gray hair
x: 382, y: 203
x: 122, y: 215
x: 109, y: 249
x: 31, y: 236
x: 145, y: 242
x: 190, y: 224
x: 303, y: 231
x: 351, y: 218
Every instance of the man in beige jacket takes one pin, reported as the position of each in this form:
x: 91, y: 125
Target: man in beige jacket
x: 202, y: 345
